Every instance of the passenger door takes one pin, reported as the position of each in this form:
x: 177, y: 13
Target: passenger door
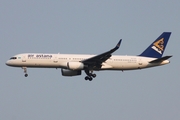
x: 55, y: 59
x: 140, y: 62
x: 23, y: 58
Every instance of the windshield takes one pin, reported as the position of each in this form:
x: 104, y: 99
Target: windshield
x: 13, y: 58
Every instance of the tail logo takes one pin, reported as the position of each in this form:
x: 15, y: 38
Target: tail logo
x: 158, y: 46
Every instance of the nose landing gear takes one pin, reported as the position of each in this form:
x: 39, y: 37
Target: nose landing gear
x: 90, y: 75
x: 25, y: 71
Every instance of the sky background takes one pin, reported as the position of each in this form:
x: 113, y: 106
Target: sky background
x: 88, y: 27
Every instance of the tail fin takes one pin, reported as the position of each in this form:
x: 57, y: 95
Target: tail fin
x: 157, y: 48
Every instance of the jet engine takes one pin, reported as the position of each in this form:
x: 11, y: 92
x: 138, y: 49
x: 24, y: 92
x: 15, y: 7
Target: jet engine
x: 66, y: 72
x: 75, y: 65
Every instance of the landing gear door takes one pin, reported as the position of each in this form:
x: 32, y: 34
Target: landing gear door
x: 23, y: 58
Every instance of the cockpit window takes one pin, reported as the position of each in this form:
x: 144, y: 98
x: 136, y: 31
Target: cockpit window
x: 13, y: 58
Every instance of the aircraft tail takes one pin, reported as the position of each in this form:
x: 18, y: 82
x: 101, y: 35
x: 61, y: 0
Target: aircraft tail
x: 157, y: 48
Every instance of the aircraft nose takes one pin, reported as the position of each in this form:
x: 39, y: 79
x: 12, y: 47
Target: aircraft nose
x: 8, y: 63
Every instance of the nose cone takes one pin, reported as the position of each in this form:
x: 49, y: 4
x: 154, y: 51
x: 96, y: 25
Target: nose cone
x: 8, y: 63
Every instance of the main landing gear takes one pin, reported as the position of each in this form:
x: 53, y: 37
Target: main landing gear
x: 90, y: 75
x: 25, y: 71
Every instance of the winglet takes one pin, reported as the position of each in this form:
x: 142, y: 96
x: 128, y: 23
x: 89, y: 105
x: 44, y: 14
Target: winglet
x: 118, y: 44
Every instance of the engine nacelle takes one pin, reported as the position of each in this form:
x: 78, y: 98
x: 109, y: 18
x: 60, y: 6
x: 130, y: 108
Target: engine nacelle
x: 75, y: 65
x: 66, y: 72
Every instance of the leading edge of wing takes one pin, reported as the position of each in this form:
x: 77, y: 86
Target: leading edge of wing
x: 102, y: 57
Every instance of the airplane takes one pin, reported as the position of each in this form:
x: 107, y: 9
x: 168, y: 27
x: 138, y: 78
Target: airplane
x: 74, y: 64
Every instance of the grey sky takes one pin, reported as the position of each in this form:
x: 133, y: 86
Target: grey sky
x: 88, y: 27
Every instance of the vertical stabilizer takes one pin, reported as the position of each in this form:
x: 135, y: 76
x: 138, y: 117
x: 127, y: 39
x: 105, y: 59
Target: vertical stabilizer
x: 157, y: 48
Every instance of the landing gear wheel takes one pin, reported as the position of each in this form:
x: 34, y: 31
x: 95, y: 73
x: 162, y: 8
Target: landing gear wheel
x: 90, y: 75
x: 93, y: 75
x: 25, y: 71
x: 90, y: 78
x: 86, y: 78
x: 26, y: 75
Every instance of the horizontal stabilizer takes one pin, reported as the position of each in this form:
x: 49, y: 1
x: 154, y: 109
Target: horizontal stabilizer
x: 160, y: 59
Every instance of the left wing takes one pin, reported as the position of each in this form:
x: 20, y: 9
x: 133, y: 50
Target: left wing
x: 96, y: 61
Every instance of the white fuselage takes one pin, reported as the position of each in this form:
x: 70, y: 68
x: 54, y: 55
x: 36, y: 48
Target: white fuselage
x: 115, y: 62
